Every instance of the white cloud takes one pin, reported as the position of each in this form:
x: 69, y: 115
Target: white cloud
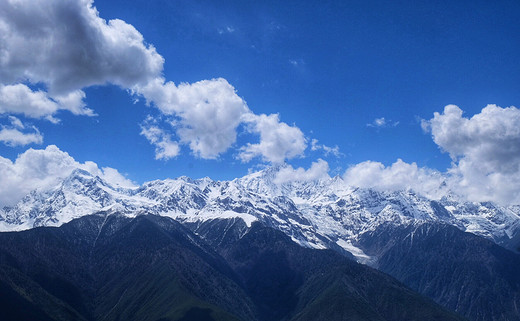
x: 327, y: 150
x: 378, y: 122
x: 17, y: 134
x: 35, y: 169
x: 64, y: 46
x: 73, y: 102
x: 278, y: 141
x: 15, y: 122
x: 208, y: 112
x: 109, y: 174
x: 318, y: 170
x: 491, y: 137
x: 485, y: 149
x: 20, y: 99
x: 165, y: 148
x: 399, y: 176
x: 227, y: 29
x: 382, y: 122
x: 67, y: 46
x: 15, y: 137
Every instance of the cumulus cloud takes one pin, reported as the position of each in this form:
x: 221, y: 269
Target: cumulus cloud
x: 492, y: 137
x: 73, y: 102
x: 17, y: 134
x: 20, y: 99
x: 318, y: 170
x: 15, y: 137
x: 66, y: 46
x: 208, y: 113
x: 278, y: 141
x: 206, y: 117
x: 61, y: 47
x: 165, y: 148
x: 398, y: 176
x: 109, y: 174
x: 44, y: 168
x: 485, y: 150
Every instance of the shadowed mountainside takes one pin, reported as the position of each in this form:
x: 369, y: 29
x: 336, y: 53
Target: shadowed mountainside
x: 153, y: 268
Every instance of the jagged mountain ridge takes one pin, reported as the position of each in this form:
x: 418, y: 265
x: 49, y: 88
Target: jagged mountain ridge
x: 322, y: 213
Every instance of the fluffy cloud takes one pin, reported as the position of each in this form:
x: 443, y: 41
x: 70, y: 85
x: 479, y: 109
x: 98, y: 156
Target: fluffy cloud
x: 14, y: 135
x: 278, y: 141
x: 20, y: 99
x: 399, y: 176
x: 62, y: 47
x: 485, y: 149
x: 318, y: 170
x: 109, y: 174
x: 206, y: 117
x: 491, y: 137
x: 67, y: 46
x: 165, y: 148
x: 207, y: 113
x: 44, y: 168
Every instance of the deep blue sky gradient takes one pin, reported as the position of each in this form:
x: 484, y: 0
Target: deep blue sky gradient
x: 329, y: 67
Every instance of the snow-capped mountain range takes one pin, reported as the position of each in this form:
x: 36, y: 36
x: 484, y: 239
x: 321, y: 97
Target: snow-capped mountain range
x: 325, y: 213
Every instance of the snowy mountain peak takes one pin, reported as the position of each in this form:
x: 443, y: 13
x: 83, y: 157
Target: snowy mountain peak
x: 79, y: 173
x: 317, y: 213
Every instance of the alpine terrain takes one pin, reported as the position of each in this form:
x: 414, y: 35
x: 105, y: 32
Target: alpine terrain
x: 245, y: 233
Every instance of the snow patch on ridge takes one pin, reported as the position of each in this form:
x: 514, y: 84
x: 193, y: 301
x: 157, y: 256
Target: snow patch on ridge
x: 356, y: 251
x: 208, y: 216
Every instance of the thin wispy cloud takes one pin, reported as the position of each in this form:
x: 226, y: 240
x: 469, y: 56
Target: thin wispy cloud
x: 327, y: 150
x: 227, y: 29
x: 382, y: 123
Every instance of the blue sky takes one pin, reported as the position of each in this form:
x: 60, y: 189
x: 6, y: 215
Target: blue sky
x: 356, y: 75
